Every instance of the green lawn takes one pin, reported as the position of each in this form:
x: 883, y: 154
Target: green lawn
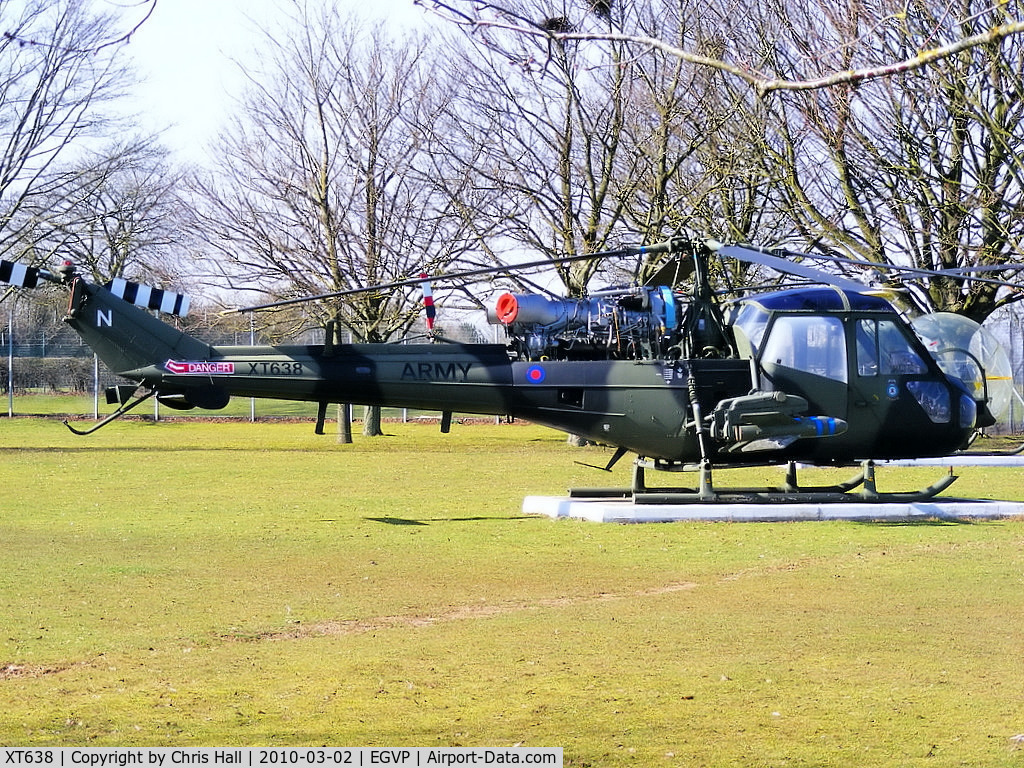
x: 192, y: 583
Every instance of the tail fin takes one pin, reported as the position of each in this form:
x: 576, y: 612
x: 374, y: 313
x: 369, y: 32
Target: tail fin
x: 126, y: 338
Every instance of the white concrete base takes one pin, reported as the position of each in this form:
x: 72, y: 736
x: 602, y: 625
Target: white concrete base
x: 625, y: 511
x: 963, y: 460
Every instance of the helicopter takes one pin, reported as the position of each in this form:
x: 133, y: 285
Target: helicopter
x: 826, y: 373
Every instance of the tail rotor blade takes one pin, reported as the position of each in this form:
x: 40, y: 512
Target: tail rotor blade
x: 18, y: 275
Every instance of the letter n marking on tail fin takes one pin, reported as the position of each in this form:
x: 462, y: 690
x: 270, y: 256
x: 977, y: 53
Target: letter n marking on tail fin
x: 104, y: 318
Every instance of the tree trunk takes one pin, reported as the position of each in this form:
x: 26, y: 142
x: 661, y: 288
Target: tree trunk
x: 371, y: 421
x: 344, y: 423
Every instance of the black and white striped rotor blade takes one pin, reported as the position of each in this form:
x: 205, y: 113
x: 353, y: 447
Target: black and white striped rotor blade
x: 18, y: 275
x: 148, y: 297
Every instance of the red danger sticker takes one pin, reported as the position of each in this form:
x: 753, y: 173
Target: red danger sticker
x: 200, y: 368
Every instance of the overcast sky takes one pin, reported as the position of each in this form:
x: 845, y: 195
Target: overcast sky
x: 185, y: 52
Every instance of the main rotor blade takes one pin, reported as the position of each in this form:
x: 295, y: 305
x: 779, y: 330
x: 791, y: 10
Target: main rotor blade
x: 957, y: 272
x: 963, y: 273
x: 665, y: 247
x: 148, y: 297
x: 820, y: 276
x: 787, y: 267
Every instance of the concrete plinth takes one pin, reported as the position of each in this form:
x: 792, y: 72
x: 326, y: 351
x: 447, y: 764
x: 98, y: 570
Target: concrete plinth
x: 625, y: 511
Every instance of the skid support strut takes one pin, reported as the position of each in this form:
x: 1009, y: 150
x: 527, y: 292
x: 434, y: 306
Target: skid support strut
x: 862, y: 487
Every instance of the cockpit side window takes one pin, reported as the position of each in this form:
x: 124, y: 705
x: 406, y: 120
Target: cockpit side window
x: 811, y: 343
x: 883, y: 350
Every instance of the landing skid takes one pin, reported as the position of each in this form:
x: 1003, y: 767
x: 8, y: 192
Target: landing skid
x: 788, y: 493
x: 112, y: 417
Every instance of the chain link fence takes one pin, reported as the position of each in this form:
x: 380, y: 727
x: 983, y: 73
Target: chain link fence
x: 54, y: 373
x: 59, y: 364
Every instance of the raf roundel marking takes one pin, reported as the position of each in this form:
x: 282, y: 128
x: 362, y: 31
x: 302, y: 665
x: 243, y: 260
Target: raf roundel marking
x: 535, y: 374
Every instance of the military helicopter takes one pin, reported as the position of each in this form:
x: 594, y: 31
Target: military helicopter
x: 826, y: 374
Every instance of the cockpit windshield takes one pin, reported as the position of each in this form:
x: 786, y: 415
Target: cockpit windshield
x: 750, y: 322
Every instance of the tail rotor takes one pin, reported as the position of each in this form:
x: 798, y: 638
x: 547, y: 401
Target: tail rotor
x: 19, y: 275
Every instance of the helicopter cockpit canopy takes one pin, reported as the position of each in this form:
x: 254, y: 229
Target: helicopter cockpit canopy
x: 804, y: 330
x: 837, y: 342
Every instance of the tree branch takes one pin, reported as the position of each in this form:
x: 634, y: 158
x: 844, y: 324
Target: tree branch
x: 475, y: 20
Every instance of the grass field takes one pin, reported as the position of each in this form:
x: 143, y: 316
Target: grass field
x: 215, y: 584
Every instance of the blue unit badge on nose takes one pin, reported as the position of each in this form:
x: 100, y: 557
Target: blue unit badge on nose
x: 535, y: 374
x: 892, y: 390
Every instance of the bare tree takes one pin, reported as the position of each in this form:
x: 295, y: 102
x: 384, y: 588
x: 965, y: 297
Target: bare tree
x: 116, y: 213
x: 559, y: 132
x: 921, y: 169
x: 702, y: 140
x: 59, y: 70
x: 894, y: 132
x: 596, y: 145
x: 62, y: 71
x: 325, y: 183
